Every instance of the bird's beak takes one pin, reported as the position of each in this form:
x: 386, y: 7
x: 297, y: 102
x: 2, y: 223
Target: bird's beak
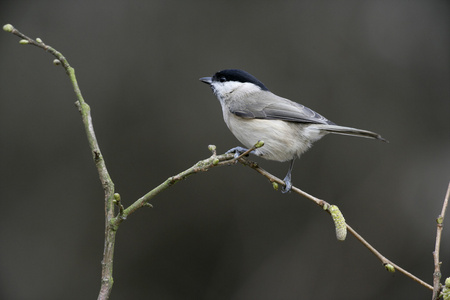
x: 207, y: 80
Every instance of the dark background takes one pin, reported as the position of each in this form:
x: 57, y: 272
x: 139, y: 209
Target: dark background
x: 225, y: 234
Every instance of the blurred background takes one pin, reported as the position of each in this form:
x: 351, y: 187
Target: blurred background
x: 225, y: 234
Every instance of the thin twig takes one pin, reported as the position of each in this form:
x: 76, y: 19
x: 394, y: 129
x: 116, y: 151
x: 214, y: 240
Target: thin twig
x: 201, y: 166
x: 437, y: 264
x: 321, y: 203
x: 386, y: 261
x: 227, y: 159
x: 107, y: 183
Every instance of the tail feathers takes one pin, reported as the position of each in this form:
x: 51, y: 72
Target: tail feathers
x: 353, y: 132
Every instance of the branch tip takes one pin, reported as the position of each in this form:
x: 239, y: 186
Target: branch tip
x: 259, y: 144
x: 212, y: 148
x: 8, y: 27
x: 437, y: 263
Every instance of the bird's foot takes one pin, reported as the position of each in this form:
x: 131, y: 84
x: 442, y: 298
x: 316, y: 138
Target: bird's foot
x: 288, y: 183
x: 238, y: 151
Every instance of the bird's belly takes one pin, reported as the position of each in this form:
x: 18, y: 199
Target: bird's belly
x: 283, y: 141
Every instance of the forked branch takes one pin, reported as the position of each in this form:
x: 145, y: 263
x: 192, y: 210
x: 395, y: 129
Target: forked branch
x: 112, y: 222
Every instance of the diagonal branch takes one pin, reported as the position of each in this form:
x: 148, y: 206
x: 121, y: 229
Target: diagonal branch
x: 389, y: 265
x: 202, y: 166
x: 228, y: 159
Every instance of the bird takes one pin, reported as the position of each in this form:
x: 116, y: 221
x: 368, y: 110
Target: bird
x: 287, y: 128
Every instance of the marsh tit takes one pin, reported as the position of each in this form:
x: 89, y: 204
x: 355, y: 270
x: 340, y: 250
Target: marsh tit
x: 253, y: 114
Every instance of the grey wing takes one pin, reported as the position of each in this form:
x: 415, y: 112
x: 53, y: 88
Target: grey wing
x: 273, y: 107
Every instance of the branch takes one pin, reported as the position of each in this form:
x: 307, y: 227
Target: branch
x: 228, y: 159
x: 437, y: 264
x: 201, y: 166
x: 107, y: 183
x: 389, y: 265
x: 111, y: 199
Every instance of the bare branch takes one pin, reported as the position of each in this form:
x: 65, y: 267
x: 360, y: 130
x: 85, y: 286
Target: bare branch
x: 437, y: 264
x: 111, y: 199
x: 201, y: 166
x: 386, y: 262
x: 227, y: 159
x: 107, y: 183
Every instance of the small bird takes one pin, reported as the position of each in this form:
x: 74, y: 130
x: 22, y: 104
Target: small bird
x: 253, y: 113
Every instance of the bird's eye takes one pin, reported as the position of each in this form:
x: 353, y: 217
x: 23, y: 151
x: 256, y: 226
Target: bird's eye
x: 222, y: 79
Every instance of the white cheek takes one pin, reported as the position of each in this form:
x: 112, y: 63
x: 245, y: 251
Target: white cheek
x: 225, y: 90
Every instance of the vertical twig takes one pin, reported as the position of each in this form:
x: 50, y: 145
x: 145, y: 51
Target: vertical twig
x: 437, y: 264
x: 107, y: 183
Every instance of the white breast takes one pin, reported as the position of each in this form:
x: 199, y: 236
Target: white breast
x: 283, y: 141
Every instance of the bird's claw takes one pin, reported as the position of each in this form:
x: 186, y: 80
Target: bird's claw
x: 237, y: 151
x: 288, y: 184
x: 287, y: 188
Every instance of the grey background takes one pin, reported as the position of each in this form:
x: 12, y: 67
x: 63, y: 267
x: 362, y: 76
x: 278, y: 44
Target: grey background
x: 224, y: 234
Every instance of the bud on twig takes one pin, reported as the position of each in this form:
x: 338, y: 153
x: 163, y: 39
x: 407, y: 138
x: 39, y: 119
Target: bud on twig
x: 8, y: 28
x: 390, y: 268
